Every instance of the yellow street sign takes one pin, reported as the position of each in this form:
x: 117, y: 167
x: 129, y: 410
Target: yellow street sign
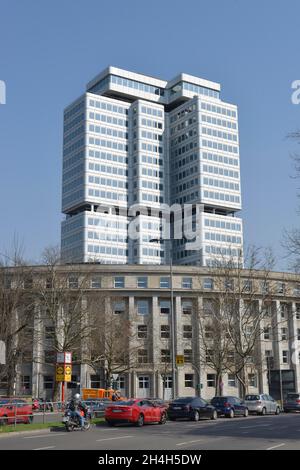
x: 68, y: 373
x: 63, y: 373
x: 180, y: 360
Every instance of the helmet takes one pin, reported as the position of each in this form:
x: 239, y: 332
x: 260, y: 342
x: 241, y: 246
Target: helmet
x: 77, y: 396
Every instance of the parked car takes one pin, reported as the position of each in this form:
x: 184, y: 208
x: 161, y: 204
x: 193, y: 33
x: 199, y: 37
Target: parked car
x: 96, y: 406
x: 136, y: 411
x: 193, y: 408
x: 15, y: 409
x: 292, y: 402
x: 230, y: 406
x: 159, y: 402
x: 261, y: 404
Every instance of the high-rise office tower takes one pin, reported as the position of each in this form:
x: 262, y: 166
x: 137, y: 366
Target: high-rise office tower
x: 134, y: 145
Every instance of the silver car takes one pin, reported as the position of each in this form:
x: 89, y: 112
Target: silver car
x: 262, y: 404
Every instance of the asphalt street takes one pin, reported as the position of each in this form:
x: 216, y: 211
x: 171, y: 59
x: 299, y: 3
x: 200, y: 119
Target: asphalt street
x: 255, y: 432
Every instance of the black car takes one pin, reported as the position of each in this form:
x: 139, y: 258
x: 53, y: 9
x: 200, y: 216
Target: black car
x: 230, y: 406
x: 193, y: 408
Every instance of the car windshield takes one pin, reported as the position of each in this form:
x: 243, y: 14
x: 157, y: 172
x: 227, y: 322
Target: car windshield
x: 219, y: 399
x: 126, y: 403
x: 252, y: 397
x: 293, y: 396
x: 4, y: 402
x: 183, y: 400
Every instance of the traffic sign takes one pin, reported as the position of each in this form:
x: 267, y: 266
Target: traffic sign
x: 63, y: 373
x: 64, y: 357
x: 180, y: 360
x: 59, y: 376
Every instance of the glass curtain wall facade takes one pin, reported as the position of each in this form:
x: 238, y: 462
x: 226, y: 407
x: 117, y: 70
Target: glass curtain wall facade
x: 133, y: 143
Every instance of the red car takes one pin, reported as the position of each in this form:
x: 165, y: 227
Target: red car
x: 138, y: 411
x: 15, y: 409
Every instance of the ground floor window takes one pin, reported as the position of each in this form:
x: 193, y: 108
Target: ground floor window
x: 48, y: 382
x: 211, y: 380
x: 74, y: 381
x: 231, y: 380
x: 144, y: 381
x: 167, y: 381
x: 95, y: 381
x: 252, y: 380
x: 26, y: 383
x: 120, y: 382
x: 189, y: 380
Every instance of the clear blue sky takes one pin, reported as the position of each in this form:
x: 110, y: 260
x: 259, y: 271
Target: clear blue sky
x: 50, y: 50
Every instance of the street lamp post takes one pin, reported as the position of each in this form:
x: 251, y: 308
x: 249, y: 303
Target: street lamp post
x: 280, y: 385
x: 172, y: 328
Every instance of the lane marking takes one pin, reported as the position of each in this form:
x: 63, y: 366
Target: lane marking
x: 257, y: 426
x: 206, y: 439
x: 113, y: 438
x: 275, y: 447
x: 106, y: 429
x: 43, y: 448
x: 189, y: 442
x: 45, y: 435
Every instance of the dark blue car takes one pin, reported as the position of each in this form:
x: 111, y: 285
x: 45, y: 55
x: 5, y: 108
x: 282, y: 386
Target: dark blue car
x: 230, y: 406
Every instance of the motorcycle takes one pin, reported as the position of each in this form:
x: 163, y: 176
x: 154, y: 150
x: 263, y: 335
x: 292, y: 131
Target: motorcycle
x: 72, y: 422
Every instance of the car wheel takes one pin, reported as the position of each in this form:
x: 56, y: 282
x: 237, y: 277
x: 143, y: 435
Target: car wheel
x: 163, y: 419
x: 263, y: 411
x: 110, y: 423
x: 214, y: 415
x: 3, y: 421
x: 140, y: 421
x: 196, y: 416
x: 246, y: 413
x: 87, y: 425
x: 29, y: 419
x: 277, y: 412
x: 230, y: 414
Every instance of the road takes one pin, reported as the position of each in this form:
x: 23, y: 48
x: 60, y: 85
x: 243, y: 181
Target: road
x: 255, y: 432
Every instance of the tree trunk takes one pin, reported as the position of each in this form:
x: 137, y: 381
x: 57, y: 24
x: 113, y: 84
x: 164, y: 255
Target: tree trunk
x: 242, y: 384
x: 56, y: 391
x: 219, y: 384
x: 107, y: 378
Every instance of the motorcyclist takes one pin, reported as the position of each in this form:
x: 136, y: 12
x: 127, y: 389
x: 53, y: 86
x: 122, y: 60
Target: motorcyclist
x: 116, y: 396
x: 76, y: 406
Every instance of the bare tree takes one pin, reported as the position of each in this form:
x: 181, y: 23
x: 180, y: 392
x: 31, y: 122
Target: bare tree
x: 62, y: 311
x: 214, y: 343
x: 232, y: 327
x: 113, y: 341
x: 16, y: 313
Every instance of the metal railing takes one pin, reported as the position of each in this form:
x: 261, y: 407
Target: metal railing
x: 15, y: 411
